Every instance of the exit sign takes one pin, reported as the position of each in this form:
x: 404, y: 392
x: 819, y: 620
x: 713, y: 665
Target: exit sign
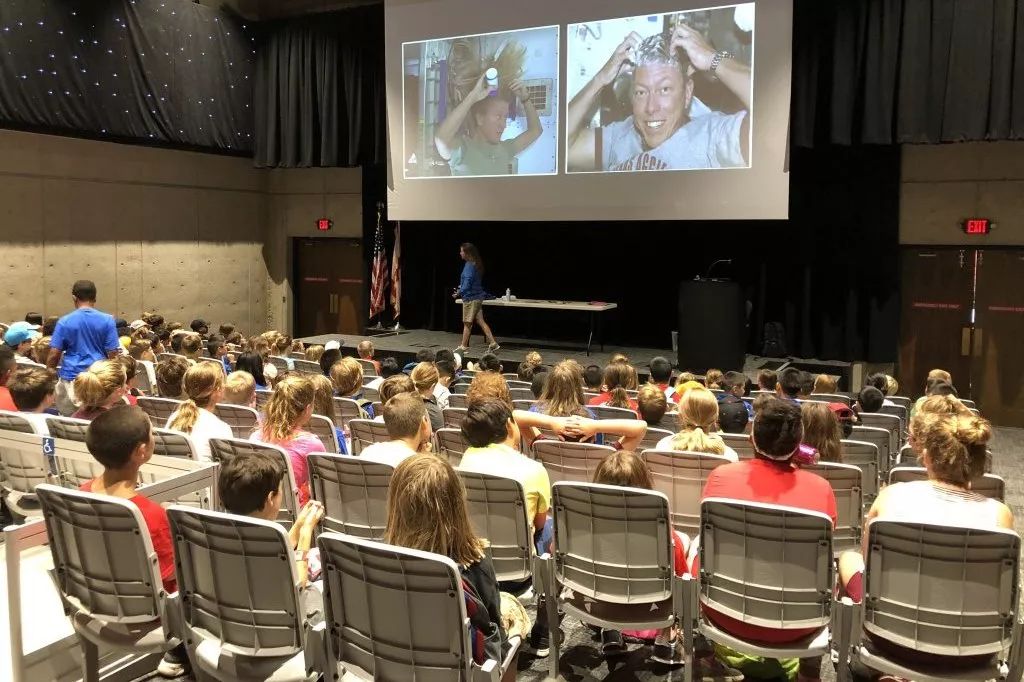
x: 976, y: 226
x: 324, y: 224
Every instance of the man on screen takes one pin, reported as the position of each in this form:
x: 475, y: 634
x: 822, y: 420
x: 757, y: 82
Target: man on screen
x: 668, y: 128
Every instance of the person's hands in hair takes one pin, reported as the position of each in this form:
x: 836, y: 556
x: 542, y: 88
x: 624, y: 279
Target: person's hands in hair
x: 519, y: 89
x: 611, y: 69
x: 696, y: 47
x: 480, y: 90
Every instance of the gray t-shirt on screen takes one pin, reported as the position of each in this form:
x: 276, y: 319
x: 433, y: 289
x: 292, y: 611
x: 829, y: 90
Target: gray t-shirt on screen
x: 710, y: 139
x: 482, y: 158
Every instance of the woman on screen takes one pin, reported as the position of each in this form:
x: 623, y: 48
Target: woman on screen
x: 471, y: 289
x: 469, y: 138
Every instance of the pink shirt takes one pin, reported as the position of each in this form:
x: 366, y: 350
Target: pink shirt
x: 301, y: 444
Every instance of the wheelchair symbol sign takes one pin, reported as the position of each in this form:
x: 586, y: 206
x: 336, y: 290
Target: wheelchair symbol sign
x: 48, y: 447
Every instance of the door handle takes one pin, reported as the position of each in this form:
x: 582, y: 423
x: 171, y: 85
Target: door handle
x: 977, y: 342
x: 331, y: 304
x: 965, y: 341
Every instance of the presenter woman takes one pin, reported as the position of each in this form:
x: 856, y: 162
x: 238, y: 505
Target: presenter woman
x: 471, y: 290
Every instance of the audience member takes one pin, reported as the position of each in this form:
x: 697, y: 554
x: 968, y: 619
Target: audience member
x: 80, y: 338
x: 315, y: 352
x: 422, y: 355
x: 41, y: 349
x: 734, y: 387
x: 881, y: 382
x: 323, y: 405
x: 204, y: 386
x: 408, y: 425
x: 651, y: 404
x: 592, y: 377
x: 347, y: 377
x: 935, y: 377
x: 19, y: 337
x: 713, y: 379
x: 822, y: 431
x: 427, y: 511
x: 424, y: 377
x: 131, y: 370
x: 771, y: 477
x: 32, y: 391
x: 734, y: 417
x: 617, y: 379
x: 240, y: 389
x: 217, y: 349
x: 892, y: 387
x: 563, y: 394
x: 489, y: 385
x: 789, y: 385
x: 619, y: 358
x: 392, y: 386
x: 767, y: 380
x: 191, y: 345
x: 252, y: 364
x: 869, y: 400
x: 200, y: 327
x: 824, y: 383
x: 99, y: 388
x: 249, y: 484
x: 661, y: 375
x: 366, y: 351
x: 538, y: 382
x: 7, y: 366
x: 50, y: 325
x: 169, y: 376
x: 698, y: 423
x: 34, y: 319
x: 327, y: 360
x: 286, y: 414
x: 806, y: 385
x: 489, y: 363
x: 524, y: 372
x: 846, y: 416
x: 533, y: 358
x: 445, y: 376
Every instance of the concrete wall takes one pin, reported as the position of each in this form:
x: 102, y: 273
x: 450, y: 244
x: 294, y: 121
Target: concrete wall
x: 296, y: 198
x: 943, y: 184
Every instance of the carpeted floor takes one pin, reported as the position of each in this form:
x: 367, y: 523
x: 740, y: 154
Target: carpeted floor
x: 582, y: 661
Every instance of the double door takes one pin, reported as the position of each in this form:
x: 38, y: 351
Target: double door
x: 963, y: 311
x: 328, y: 276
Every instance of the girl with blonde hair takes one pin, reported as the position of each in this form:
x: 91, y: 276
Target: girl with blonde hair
x: 822, y: 430
x: 286, y: 413
x: 424, y: 377
x: 698, y: 426
x: 347, y: 377
x: 323, y: 405
x: 204, y: 385
x: 427, y: 511
x: 191, y: 345
x: 99, y: 388
x: 563, y: 392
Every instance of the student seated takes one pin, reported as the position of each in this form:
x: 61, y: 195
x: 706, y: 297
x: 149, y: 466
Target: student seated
x: 315, y: 352
x: 881, y: 382
x: 489, y: 363
x: 538, y: 382
x: 935, y: 378
x: 252, y: 364
x: 790, y: 384
x: 427, y: 511
x: 249, y: 484
x: 99, y: 388
x: 240, y: 389
x: 388, y: 368
x: 661, y: 375
x: 533, y: 358
x: 524, y: 372
x: 323, y: 405
x: 191, y: 345
x: 7, y: 365
x: 445, y: 376
x: 822, y: 431
x: 652, y: 406
x: 734, y: 385
x: 869, y: 400
x: 169, y: 375
x: 767, y: 380
x: 131, y: 371
x: 32, y: 390
x: 823, y: 383
x: 424, y: 377
x: 772, y: 478
x: 713, y: 379
x: 408, y: 425
x: 488, y: 385
x: 121, y: 440
x: 286, y: 414
x: 217, y: 349
x: 422, y: 355
x: 618, y: 377
x: 563, y: 393
x: 392, y: 386
x: 592, y: 377
x: 204, y: 386
x: 347, y: 377
x: 366, y: 351
x: 698, y: 424
x: 733, y: 417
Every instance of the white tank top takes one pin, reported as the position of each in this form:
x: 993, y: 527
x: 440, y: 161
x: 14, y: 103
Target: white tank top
x: 923, y: 501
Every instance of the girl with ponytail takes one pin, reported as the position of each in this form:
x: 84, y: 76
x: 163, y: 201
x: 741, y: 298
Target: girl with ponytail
x: 618, y: 378
x: 99, y: 388
x: 288, y: 411
x: 204, y: 385
x: 698, y: 426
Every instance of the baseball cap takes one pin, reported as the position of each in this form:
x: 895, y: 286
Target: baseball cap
x: 138, y: 324
x: 20, y: 332
x: 333, y: 345
x: 121, y: 323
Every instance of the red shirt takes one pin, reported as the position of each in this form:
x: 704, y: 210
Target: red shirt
x: 6, y: 402
x: 604, y: 397
x: 159, y: 533
x: 758, y: 480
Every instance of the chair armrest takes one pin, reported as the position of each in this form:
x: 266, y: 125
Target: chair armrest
x: 315, y: 649
x: 65, y: 604
x: 487, y: 672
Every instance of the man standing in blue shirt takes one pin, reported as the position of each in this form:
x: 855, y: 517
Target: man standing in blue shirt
x: 81, y: 338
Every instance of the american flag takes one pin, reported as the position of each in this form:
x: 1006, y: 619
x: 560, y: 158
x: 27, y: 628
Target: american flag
x: 396, y: 272
x: 379, y: 272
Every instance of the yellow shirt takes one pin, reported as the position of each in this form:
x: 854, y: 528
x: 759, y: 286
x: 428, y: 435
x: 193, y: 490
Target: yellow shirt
x: 499, y: 459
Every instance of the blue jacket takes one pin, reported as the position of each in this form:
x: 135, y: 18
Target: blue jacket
x: 471, y: 286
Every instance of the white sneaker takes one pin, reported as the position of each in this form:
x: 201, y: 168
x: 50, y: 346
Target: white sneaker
x: 171, y: 667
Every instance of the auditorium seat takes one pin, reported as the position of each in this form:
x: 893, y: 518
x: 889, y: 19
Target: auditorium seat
x: 344, y: 410
x: 459, y: 388
x: 939, y: 590
x: 213, y: 361
x: 453, y: 416
x: 158, y: 409
x: 615, y: 557
x: 297, y: 355
x: 22, y: 470
x: 902, y: 401
x: 516, y: 383
x: 450, y: 444
x: 847, y: 482
x: 868, y: 458
x: 457, y: 400
x: 366, y: 432
x: 145, y: 377
x: 262, y: 398
x: 73, y: 472
x: 652, y: 437
x: 12, y: 421
x: 898, y: 411
x: 609, y: 412
x: 226, y: 640
x: 521, y: 393
x: 589, y: 395
x: 170, y: 443
x: 744, y: 539
x: 242, y: 420
x: 354, y: 493
x: 510, y: 376
x: 365, y: 583
x: 889, y: 422
x: 223, y: 449
x: 373, y: 395
x: 740, y: 442
x: 680, y: 476
x: 968, y: 403
x: 279, y: 362
x: 107, y: 575
x: 307, y: 367
x: 369, y: 369
x: 497, y: 510
x: 523, y: 404
x: 988, y: 485
x: 323, y: 428
x: 882, y: 439
x: 566, y: 461
x: 831, y: 398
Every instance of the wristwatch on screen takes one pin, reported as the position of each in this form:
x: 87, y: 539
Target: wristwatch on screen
x: 716, y: 59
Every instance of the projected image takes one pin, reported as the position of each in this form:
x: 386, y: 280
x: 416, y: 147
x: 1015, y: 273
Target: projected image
x: 661, y: 92
x: 481, y: 105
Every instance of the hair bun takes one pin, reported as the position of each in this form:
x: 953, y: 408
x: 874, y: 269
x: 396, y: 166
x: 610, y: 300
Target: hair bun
x: 973, y: 430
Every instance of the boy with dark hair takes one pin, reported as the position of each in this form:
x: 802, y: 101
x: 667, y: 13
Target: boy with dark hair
x: 772, y: 478
x: 539, y: 381
x: 869, y: 399
x: 217, y: 348
x: 767, y: 379
x: 121, y: 439
x: 489, y: 363
x: 405, y: 417
x: 169, y: 375
x: 661, y: 375
x: 32, y: 391
x: 445, y: 377
x: 806, y: 385
x: 35, y: 319
x: 200, y: 327
x: 734, y: 385
x: 388, y: 368
x: 592, y: 378
x: 790, y: 381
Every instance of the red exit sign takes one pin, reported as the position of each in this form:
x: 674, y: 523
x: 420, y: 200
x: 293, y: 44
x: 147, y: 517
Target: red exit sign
x: 976, y: 226
x: 324, y: 224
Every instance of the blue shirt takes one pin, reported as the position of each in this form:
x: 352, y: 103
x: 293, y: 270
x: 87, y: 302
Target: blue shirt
x: 84, y: 336
x: 471, y: 284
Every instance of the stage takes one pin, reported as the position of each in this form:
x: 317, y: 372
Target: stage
x: 404, y: 345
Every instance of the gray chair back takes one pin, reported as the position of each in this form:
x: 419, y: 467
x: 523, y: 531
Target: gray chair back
x: 223, y: 449
x: 457, y: 400
x: 453, y: 416
x: 868, y: 458
x: 523, y: 404
x: 889, y: 422
x: 902, y: 401
x: 169, y: 443
x: 514, y: 382
x: 847, y: 482
x: 988, y: 485
x: 497, y: 508
x: 307, y: 367
x: 262, y: 398
x: 883, y: 439
x: 831, y: 398
x: 569, y: 461
x: 323, y: 428
x: 242, y: 420
x: 451, y: 444
x: 373, y: 395
x: 73, y: 472
x: 680, y: 476
x: 366, y: 432
x: 158, y: 409
x: 344, y: 410
x: 279, y: 362
x: 12, y: 421
x: 652, y: 437
x: 369, y: 369
x: 740, y: 442
x: 22, y: 470
x: 521, y: 393
x: 609, y: 412
x: 354, y: 493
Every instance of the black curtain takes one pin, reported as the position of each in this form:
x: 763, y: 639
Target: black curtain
x: 894, y: 71
x: 320, y: 90
x: 170, y: 72
x: 828, y: 274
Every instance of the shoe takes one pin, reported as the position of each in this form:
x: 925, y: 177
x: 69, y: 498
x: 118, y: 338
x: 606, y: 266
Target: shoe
x: 710, y: 669
x: 611, y: 643
x: 174, y: 663
x: 493, y: 347
x: 668, y: 652
x: 540, y: 640
x: 461, y: 350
